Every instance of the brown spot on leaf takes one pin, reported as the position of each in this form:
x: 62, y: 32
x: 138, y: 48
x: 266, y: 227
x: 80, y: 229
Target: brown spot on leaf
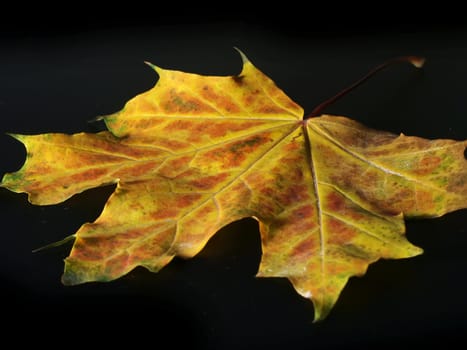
x: 249, y: 100
x: 267, y: 191
x: 299, y: 221
x: 172, y: 144
x: 458, y: 184
x: 304, y: 212
x: 292, y: 146
x: 389, y: 207
x: 186, y: 200
x: 294, y: 193
x: 209, y: 182
x: 336, y: 269
x: 303, y: 218
x: 214, y: 129
x: 87, y: 248
x: 154, y: 247
x: 177, y: 125
x: 146, y: 123
x: 270, y: 109
x: 180, y: 102
x: 339, y: 232
x: 206, y: 210
x: 337, y: 203
x: 175, y: 166
x: 221, y: 129
x: 296, y: 175
x: 267, y: 209
x: 334, y: 202
x: 233, y: 154
x: 164, y: 213
x: 305, y: 248
x: 116, y: 265
x: 138, y: 170
x: 88, y: 175
x: 222, y: 101
x: 424, y: 201
x: 401, y: 201
x: 427, y: 164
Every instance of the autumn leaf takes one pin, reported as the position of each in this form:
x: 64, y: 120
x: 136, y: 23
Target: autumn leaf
x: 196, y: 153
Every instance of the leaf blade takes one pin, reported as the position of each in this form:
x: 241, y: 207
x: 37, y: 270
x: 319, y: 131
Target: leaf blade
x: 195, y: 153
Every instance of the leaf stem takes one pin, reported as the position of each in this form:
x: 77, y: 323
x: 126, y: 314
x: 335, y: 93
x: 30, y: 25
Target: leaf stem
x: 414, y: 60
x: 55, y: 244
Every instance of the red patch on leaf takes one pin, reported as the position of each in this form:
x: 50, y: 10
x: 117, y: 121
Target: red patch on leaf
x: 233, y: 154
x: 222, y: 101
x: 292, y: 146
x: 185, y: 200
x: 305, y: 212
x: 269, y: 109
x: 339, y: 232
x: 86, y: 249
x: 147, y: 123
x: 334, y: 202
x: 157, y: 245
x: 296, y: 175
x: 208, y: 182
x: 171, y: 144
x: 183, y: 103
x: 165, y: 213
x: 138, y: 170
x: 267, y: 191
x: 294, y: 194
x: 424, y: 201
x: 88, y: 175
x: 427, y: 164
x: 303, y: 218
x: 117, y: 264
x: 176, y: 125
x: 206, y: 210
x: 175, y: 166
x: 305, y: 248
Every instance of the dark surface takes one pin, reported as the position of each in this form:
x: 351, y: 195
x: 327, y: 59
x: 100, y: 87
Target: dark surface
x: 55, y: 75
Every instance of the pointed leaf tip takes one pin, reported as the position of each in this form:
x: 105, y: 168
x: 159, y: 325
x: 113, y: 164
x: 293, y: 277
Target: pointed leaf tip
x: 322, y: 309
x: 153, y: 66
x: 242, y: 55
x: 18, y: 137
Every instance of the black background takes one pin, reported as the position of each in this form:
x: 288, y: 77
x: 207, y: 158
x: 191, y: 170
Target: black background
x: 58, y: 70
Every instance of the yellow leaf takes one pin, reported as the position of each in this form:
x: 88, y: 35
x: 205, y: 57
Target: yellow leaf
x: 196, y: 153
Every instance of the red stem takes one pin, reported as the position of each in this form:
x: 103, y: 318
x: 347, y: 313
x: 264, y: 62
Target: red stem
x: 414, y: 60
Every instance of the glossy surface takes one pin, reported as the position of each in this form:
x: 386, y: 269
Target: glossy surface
x: 36, y: 69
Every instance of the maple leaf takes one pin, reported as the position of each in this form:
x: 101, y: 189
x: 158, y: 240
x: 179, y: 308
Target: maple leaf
x: 195, y: 153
